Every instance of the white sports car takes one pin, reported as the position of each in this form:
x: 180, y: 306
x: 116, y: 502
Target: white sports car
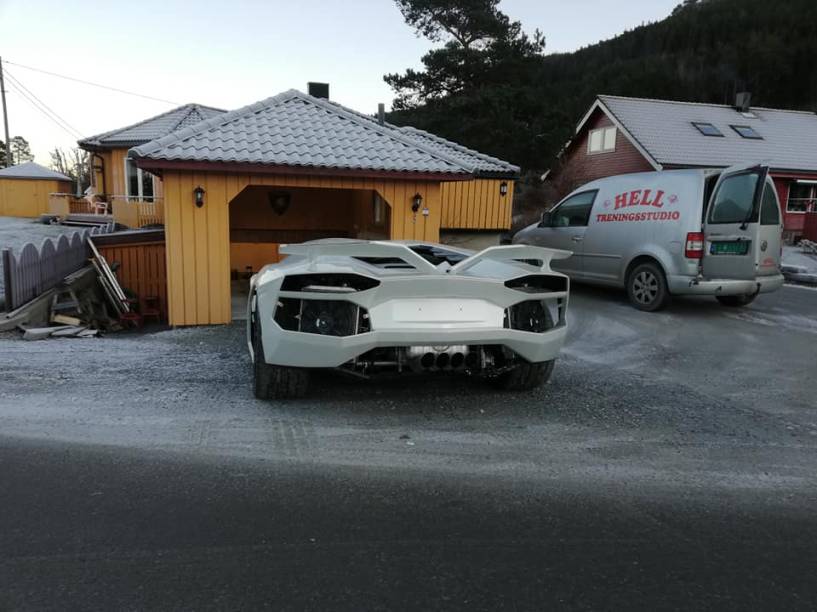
x: 379, y: 307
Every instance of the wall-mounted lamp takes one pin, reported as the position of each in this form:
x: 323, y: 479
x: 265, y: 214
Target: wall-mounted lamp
x: 416, y: 203
x: 503, y: 188
x: 198, y: 196
x: 426, y: 212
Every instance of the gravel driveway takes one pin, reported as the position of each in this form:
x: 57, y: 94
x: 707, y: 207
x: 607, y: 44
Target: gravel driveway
x: 698, y: 396
x: 671, y: 463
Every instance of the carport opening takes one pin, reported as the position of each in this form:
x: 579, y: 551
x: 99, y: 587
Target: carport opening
x: 262, y: 218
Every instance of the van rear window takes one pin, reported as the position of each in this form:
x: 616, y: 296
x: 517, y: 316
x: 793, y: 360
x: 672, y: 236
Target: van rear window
x: 734, y: 199
x: 769, y: 211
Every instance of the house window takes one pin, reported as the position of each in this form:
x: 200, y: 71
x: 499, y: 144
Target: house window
x: 378, y: 210
x: 138, y: 183
x: 707, y: 129
x: 802, y: 198
x: 602, y: 140
x: 747, y: 131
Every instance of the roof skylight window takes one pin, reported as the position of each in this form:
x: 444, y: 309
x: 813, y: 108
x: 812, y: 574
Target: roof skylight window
x: 707, y: 129
x: 747, y: 131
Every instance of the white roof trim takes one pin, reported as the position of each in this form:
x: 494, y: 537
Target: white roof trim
x: 598, y: 104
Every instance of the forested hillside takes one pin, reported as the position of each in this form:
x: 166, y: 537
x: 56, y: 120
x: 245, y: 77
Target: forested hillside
x: 491, y: 87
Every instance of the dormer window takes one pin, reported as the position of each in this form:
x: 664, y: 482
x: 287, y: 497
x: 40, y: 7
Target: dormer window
x: 707, y: 129
x: 602, y: 140
x: 747, y: 131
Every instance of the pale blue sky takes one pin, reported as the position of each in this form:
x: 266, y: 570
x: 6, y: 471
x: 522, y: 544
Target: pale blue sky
x: 228, y: 54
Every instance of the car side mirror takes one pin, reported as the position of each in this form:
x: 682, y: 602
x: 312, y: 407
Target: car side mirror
x: 545, y: 220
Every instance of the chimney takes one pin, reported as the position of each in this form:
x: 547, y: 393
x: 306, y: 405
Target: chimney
x: 743, y: 101
x: 318, y: 90
x: 381, y: 113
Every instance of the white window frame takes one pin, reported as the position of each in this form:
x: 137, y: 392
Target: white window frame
x: 139, y: 180
x: 809, y: 206
x: 603, y: 133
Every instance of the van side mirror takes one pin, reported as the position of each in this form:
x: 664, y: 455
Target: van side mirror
x: 545, y: 220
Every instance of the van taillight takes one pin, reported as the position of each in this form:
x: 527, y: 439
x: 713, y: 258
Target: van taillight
x: 694, y: 248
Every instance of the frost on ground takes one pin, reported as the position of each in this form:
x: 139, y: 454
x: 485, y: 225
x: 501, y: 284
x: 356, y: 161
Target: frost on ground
x: 796, y: 261
x: 691, y: 395
x: 15, y: 232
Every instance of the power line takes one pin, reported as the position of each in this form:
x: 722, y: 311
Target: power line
x: 32, y: 103
x: 42, y: 107
x: 116, y: 89
x: 19, y: 84
x: 35, y: 105
x: 56, y: 117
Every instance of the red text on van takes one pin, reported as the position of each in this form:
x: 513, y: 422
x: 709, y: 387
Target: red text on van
x: 640, y: 197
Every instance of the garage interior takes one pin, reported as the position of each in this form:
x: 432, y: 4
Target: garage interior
x: 264, y: 217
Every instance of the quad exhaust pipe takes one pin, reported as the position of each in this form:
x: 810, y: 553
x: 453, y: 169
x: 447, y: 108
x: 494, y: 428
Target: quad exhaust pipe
x: 425, y: 358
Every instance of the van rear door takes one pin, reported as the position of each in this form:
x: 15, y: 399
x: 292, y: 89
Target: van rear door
x: 770, y: 232
x: 732, y: 228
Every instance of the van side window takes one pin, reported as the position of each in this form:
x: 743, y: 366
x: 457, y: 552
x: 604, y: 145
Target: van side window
x: 769, y: 212
x: 574, y: 211
x: 734, y: 199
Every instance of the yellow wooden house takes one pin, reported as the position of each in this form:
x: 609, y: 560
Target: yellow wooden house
x: 298, y: 167
x: 133, y: 195
x: 25, y: 189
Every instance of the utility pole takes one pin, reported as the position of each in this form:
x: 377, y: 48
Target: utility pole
x: 5, y: 114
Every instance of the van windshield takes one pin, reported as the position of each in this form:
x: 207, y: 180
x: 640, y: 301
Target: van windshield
x: 734, y: 199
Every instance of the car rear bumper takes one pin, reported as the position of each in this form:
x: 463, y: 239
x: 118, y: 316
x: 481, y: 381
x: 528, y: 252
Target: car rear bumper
x: 687, y: 285
x: 298, y: 349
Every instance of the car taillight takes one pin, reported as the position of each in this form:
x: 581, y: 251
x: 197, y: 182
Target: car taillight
x: 694, y: 248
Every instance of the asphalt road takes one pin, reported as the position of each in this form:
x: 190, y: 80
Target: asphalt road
x: 671, y: 463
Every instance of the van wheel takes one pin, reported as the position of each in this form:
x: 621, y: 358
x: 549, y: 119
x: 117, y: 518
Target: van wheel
x: 647, y: 287
x: 525, y: 376
x: 736, y: 301
x: 272, y: 381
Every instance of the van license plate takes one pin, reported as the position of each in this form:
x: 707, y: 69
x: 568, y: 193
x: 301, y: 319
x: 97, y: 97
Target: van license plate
x: 729, y: 248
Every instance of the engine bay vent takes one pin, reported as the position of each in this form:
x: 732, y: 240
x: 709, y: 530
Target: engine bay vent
x: 328, y: 283
x: 538, y: 283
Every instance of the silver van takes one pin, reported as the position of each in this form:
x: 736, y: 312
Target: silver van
x: 675, y: 232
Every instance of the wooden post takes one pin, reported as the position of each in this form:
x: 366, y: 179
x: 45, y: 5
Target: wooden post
x: 5, y: 114
x: 7, y: 279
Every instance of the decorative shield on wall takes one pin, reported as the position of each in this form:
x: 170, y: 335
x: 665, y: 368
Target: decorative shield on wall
x: 279, y: 201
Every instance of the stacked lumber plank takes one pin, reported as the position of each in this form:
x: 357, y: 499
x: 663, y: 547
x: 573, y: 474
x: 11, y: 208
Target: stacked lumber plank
x: 87, y: 303
x: 107, y: 279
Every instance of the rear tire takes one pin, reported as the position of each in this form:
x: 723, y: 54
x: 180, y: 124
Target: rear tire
x: 736, y: 301
x: 647, y: 287
x: 272, y: 381
x: 525, y: 376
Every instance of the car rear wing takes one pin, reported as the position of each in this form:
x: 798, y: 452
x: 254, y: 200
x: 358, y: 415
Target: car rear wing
x: 542, y: 256
x: 360, y: 248
x: 513, y: 253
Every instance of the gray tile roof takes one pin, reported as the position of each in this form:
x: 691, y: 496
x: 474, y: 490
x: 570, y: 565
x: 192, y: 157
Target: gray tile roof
x: 30, y: 170
x: 481, y: 164
x: 152, y: 128
x: 298, y: 130
x: 664, y: 128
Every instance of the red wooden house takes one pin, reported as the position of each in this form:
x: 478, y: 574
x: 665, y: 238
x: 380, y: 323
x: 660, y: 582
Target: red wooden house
x: 619, y: 135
